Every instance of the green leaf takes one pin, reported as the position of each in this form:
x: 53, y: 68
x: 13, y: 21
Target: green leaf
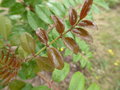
x: 43, y: 13
x: 66, y: 3
x: 96, y: 9
x: 22, y: 53
x: 67, y: 52
x: 72, y: 2
x: 1, y: 43
x: 79, y: 1
x: 82, y: 44
x: 76, y: 58
x: 41, y: 88
x: 44, y: 64
x: 14, y: 38
x: 59, y: 6
x: 102, y: 4
x: 33, y: 2
x: 29, y: 2
x: 28, y: 70
x: 7, y: 3
x: 83, y: 62
x: 17, y: 8
x: 54, y: 9
x: 93, y: 86
x: 1, y: 87
x: 60, y: 75
x: 5, y: 27
x: 27, y: 87
x: 16, y: 85
x: 27, y: 42
x: 77, y: 82
x: 34, y: 21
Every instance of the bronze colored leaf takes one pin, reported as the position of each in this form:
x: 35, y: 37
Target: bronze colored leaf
x: 44, y: 63
x: 86, y: 23
x: 86, y: 8
x: 58, y: 24
x: 72, y: 16
x: 55, y: 57
x: 42, y: 35
x: 82, y: 34
x: 8, y: 64
x: 71, y: 44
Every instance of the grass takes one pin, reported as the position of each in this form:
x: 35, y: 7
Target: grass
x: 107, y: 50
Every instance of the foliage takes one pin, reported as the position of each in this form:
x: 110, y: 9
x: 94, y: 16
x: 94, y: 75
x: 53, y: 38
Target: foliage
x: 32, y: 31
x: 112, y: 3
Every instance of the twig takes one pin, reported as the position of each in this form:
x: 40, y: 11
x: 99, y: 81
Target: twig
x: 49, y: 82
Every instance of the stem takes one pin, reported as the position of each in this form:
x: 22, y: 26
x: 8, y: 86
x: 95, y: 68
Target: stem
x: 50, y: 83
x: 57, y: 38
x: 43, y: 77
x: 53, y: 41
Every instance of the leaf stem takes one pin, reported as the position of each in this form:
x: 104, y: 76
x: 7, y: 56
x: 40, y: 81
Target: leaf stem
x: 53, y: 41
x: 50, y: 83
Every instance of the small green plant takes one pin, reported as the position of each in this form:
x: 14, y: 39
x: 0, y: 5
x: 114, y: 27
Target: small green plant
x: 32, y: 34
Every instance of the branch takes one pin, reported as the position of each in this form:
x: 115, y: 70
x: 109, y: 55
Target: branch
x: 49, y: 82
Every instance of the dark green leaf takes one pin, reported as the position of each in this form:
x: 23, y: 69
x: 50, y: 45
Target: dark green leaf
x: 17, y: 8
x: 7, y: 3
x: 28, y: 70
x: 16, y: 85
x: 41, y: 88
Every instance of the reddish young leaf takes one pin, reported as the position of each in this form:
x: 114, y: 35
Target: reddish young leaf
x: 6, y: 81
x: 82, y: 34
x: 58, y: 24
x: 86, y: 23
x: 6, y: 75
x: 55, y: 57
x: 72, y: 16
x: 9, y: 63
x: 86, y: 8
x: 42, y: 35
x: 71, y: 44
